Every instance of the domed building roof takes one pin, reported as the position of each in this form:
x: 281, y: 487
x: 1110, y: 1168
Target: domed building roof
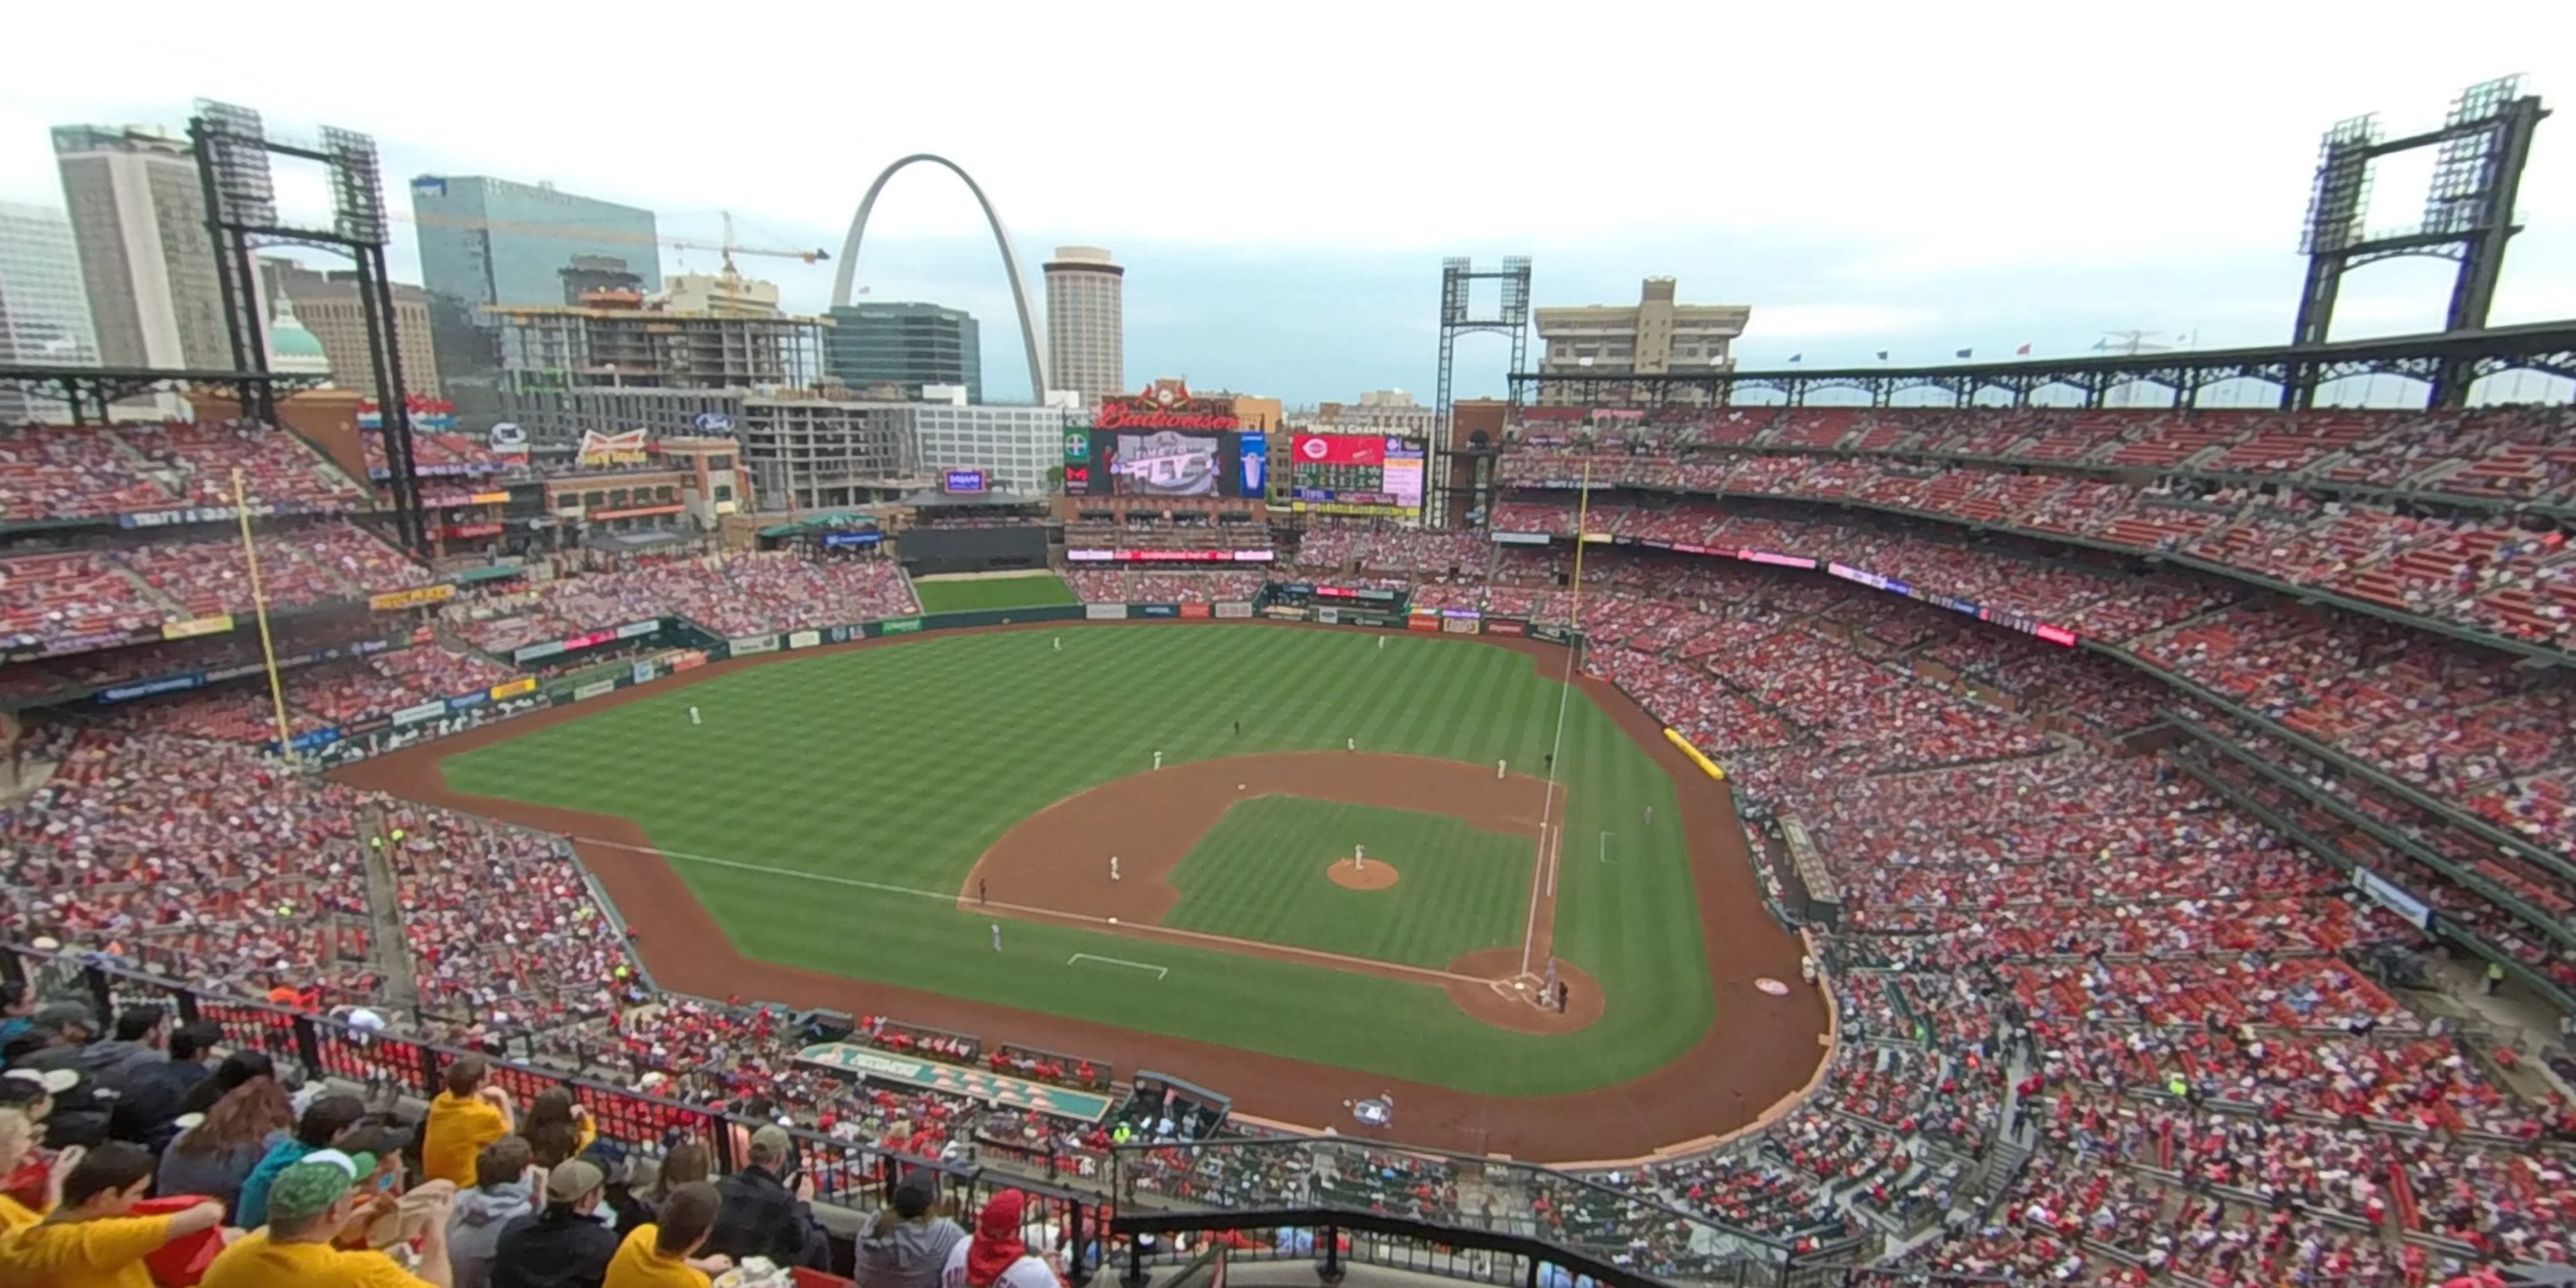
x: 292, y: 349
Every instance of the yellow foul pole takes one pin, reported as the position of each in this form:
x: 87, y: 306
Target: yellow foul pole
x: 1582, y: 510
x: 259, y: 605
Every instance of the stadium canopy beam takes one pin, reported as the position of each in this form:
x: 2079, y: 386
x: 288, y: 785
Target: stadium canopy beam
x: 845, y: 277
x: 2445, y: 362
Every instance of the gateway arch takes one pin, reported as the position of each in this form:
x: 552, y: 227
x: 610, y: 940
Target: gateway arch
x: 841, y: 279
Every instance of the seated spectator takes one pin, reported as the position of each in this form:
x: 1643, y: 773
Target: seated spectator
x: 665, y: 1253
x: 312, y: 1201
x: 218, y: 1153
x: 92, y: 1237
x: 762, y: 1217
x: 906, y: 1246
x: 156, y: 1093
x: 470, y: 1114
x: 327, y: 1123
x: 557, y: 1127
x: 998, y: 1254
x: 504, y: 1190
x: 564, y: 1245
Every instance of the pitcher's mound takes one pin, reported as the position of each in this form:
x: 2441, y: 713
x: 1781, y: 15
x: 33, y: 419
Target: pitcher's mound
x: 1376, y: 874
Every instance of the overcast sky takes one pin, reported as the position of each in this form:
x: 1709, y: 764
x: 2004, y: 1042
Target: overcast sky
x: 1281, y: 181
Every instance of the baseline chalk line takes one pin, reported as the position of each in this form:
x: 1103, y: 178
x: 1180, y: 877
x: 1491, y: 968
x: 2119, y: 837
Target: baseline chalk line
x: 1159, y: 971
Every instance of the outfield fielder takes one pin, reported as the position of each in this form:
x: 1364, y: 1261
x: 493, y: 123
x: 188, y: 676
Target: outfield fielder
x: 1113, y: 867
x: 1059, y: 643
x: 997, y: 936
x: 693, y: 716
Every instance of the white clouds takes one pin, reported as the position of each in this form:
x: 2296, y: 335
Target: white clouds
x: 1802, y: 321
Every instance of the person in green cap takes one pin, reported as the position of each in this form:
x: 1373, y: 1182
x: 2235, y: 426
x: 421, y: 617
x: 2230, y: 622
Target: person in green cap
x: 308, y: 1205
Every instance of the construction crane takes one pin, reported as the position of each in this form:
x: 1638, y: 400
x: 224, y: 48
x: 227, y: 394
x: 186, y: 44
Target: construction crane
x: 727, y: 247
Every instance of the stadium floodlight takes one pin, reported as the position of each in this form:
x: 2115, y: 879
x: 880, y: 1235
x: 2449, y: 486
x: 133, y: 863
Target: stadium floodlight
x: 357, y: 185
x: 2341, y: 193
x: 237, y: 147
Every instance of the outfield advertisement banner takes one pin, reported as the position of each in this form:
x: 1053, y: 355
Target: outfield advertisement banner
x: 195, y: 626
x: 425, y: 711
x: 644, y: 672
x: 1194, y: 610
x: 686, y: 660
x: 1506, y: 626
x: 899, y: 626
x: 512, y: 688
x: 638, y: 630
x: 1328, y: 614
x: 1552, y: 634
x: 1158, y: 610
x: 531, y: 652
x: 1422, y: 619
x: 1459, y: 625
x: 747, y: 645
x: 166, y: 684
x: 1105, y: 612
x: 411, y: 598
x: 1281, y: 612
x: 595, y: 688
x: 1234, y: 612
x: 804, y: 639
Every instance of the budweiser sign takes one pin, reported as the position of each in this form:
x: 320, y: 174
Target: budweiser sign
x: 1167, y: 405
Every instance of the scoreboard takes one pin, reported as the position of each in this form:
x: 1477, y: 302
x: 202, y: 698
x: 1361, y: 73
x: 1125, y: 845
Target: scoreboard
x: 1365, y: 474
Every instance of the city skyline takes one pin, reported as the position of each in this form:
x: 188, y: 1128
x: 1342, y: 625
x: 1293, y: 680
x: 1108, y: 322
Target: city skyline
x: 2030, y: 193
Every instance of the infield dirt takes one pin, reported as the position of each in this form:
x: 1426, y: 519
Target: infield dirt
x: 1759, y: 1055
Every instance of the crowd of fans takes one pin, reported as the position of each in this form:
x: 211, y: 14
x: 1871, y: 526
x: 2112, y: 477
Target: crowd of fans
x: 1155, y: 586
x: 77, y: 471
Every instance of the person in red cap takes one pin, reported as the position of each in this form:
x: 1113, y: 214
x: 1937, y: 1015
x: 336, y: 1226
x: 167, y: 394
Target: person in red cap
x: 998, y: 1253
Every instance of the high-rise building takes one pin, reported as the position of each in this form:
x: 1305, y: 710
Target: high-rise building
x: 1086, y: 323
x: 488, y: 242
x: 138, y: 214
x: 910, y: 345
x: 327, y: 303
x: 728, y: 293
x: 567, y: 371
x: 1652, y: 337
x: 44, y: 312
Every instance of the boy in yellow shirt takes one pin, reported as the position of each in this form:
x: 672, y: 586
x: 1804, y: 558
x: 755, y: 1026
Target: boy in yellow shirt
x: 659, y: 1255
x: 90, y: 1240
x: 469, y: 1115
x: 313, y: 1201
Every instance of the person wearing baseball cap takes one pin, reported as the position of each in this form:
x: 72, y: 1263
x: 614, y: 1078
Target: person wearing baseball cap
x: 308, y: 1205
x: 768, y: 1207
x: 564, y: 1245
x: 665, y: 1253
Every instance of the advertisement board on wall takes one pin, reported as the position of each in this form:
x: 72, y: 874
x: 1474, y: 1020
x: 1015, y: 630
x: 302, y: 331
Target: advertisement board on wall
x: 804, y: 639
x: 962, y: 481
x: 1283, y: 613
x: 1330, y: 615
x: 594, y: 689
x: 899, y: 626
x: 747, y: 645
x: 1234, y: 611
x: 507, y: 689
x: 1158, y: 610
x: 1459, y: 625
x: 1105, y: 612
x: 1506, y: 626
x: 424, y: 711
x: 413, y: 597
x: 1194, y: 610
x: 1355, y: 474
x: 196, y: 626
x: 638, y: 630
x: 1422, y: 620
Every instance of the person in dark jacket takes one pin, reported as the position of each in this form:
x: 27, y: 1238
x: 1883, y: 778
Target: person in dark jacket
x: 761, y: 1216
x: 906, y: 1246
x: 562, y: 1245
x: 70, y: 1033
x: 155, y: 1092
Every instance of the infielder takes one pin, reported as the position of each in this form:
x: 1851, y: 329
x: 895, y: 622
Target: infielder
x: 1158, y: 760
x: 997, y: 936
x: 693, y: 716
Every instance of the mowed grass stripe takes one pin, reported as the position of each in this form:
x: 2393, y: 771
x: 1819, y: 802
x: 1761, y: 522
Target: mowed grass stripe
x: 902, y: 763
x: 1260, y: 873
x: 1037, y: 589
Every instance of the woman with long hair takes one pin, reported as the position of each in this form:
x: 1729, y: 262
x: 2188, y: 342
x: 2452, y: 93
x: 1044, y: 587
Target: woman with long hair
x: 557, y: 1127
x: 215, y: 1155
x: 236, y: 1069
x: 688, y: 1161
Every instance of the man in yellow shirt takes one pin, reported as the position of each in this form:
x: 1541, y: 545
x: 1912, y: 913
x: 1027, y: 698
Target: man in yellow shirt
x: 660, y: 1255
x: 90, y: 1240
x: 469, y: 1115
x: 18, y: 1135
x: 312, y: 1201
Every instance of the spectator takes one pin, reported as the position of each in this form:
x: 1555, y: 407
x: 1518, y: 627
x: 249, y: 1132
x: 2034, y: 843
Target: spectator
x: 238, y: 1068
x: 311, y: 1203
x: 686, y: 1164
x: 91, y: 1238
x: 503, y: 1191
x: 69, y: 1031
x: 664, y: 1254
x: 154, y: 1095
x: 17, y: 1011
x: 218, y: 1153
x: 564, y: 1246
x: 999, y: 1252
x: 907, y: 1247
x: 557, y: 1127
x: 762, y: 1217
x: 327, y: 1122
x: 467, y: 1116
x: 18, y: 1135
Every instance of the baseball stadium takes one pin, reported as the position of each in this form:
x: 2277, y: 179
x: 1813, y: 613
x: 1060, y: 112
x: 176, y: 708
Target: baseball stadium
x: 1991, y: 822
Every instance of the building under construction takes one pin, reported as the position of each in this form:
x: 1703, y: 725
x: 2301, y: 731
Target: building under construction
x: 614, y: 366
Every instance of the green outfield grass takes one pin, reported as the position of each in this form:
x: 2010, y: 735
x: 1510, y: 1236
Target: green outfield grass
x: 1260, y: 874
x: 898, y: 765
x: 1031, y: 591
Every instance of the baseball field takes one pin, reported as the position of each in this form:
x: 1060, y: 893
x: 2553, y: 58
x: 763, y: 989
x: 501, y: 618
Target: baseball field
x: 1299, y: 865
x: 991, y: 590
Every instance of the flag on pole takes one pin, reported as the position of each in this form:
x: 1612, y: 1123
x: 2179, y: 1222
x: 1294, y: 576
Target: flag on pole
x: 2024, y: 350
x: 1795, y: 356
x: 1964, y: 353
x: 1882, y: 355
